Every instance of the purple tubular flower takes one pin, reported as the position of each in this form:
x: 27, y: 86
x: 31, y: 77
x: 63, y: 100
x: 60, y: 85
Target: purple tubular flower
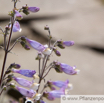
x: 26, y: 92
x: 25, y: 72
x: 36, y: 45
x: 16, y: 27
x: 54, y: 94
x: 23, y: 82
x: 60, y: 84
x: 68, y: 69
x: 33, y: 9
x: 18, y: 15
x: 68, y: 43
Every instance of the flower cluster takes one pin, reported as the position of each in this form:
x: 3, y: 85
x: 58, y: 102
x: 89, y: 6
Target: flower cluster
x: 31, y: 89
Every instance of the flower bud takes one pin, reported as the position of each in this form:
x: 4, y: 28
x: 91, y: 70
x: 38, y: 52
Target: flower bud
x: 16, y: 66
x: 50, y: 85
x: 9, y: 79
x: 26, y: 92
x: 10, y: 76
x: 13, y: 65
x: 8, y: 71
x: 57, y: 67
x: 24, y: 45
x: 25, y: 9
x: 23, y: 38
x: 56, y: 52
x: 61, y: 46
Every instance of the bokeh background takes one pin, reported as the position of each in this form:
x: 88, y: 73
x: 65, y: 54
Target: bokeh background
x: 79, y: 20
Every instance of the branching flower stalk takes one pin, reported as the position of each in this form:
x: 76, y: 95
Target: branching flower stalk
x: 32, y: 91
x: 6, y: 48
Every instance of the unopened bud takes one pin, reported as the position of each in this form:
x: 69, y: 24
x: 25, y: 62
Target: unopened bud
x: 16, y: 66
x: 13, y: 65
x: 61, y: 46
x: 23, y: 38
x: 10, y: 76
x: 24, y: 45
x: 9, y: 80
x: 8, y: 71
x: 25, y: 9
x: 56, y: 52
x: 46, y: 27
x: 57, y: 67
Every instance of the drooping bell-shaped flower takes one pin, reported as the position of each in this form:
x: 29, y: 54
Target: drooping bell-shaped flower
x: 26, y: 83
x: 68, y: 69
x: 23, y: 82
x: 33, y: 9
x: 39, y: 47
x: 25, y: 72
x: 60, y: 84
x: 54, y: 94
x: 36, y: 45
x: 62, y: 67
x: 16, y: 27
x: 62, y: 44
x: 68, y: 43
x: 26, y: 92
x: 18, y: 16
